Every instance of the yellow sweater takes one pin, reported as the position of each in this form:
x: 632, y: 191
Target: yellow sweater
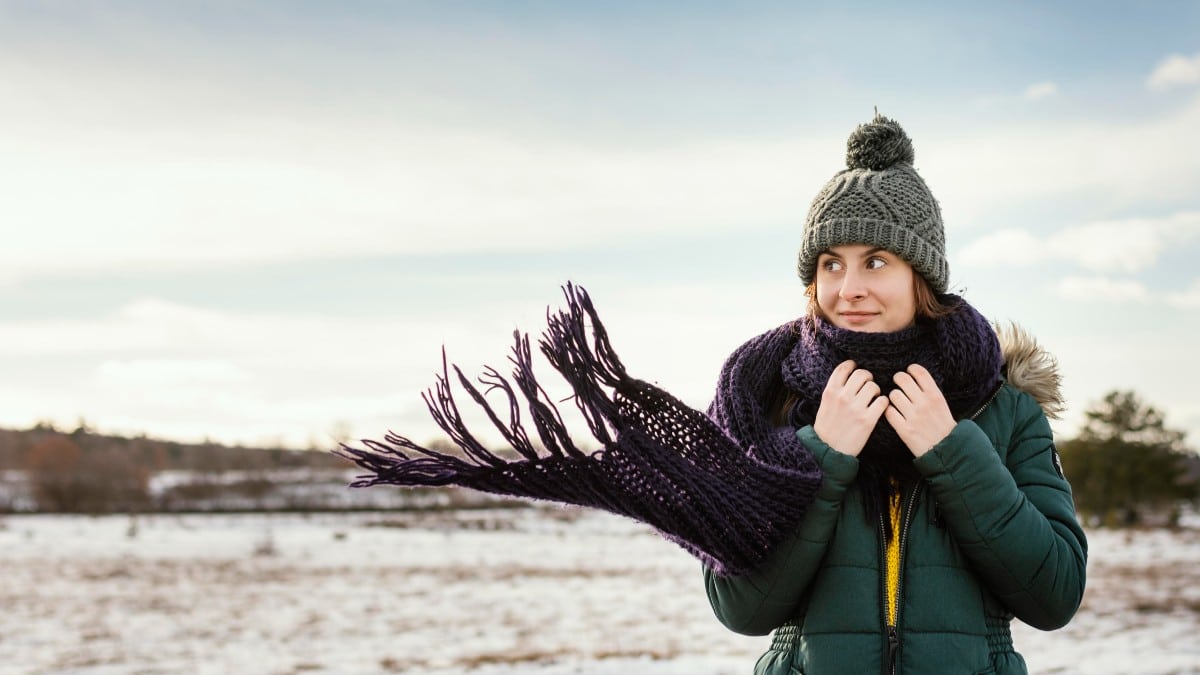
x: 892, y: 562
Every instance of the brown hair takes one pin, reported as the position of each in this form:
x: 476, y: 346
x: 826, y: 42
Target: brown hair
x: 928, y: 306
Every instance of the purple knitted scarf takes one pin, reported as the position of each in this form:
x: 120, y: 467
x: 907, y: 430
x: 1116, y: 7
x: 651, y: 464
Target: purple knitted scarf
x: 728, y: 495
x: 961, y: 352
x: 727, y: 486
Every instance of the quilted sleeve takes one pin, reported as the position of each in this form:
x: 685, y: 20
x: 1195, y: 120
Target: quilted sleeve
x: 1014, y: 520
x: 760, y: 601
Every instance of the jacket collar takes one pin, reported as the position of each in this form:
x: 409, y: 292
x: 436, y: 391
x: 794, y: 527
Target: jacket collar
x: 1032, y: 369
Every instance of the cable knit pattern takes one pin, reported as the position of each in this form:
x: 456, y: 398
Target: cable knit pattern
x: 879, y: 199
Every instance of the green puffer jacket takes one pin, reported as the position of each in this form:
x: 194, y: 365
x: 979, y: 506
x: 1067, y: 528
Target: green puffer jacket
x: 989, y: 533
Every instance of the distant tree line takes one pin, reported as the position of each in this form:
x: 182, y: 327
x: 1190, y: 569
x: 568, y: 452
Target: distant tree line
x: 84, y: 472
x: 161, y: 455
x: 81, y: 471
x: 1128, y: 468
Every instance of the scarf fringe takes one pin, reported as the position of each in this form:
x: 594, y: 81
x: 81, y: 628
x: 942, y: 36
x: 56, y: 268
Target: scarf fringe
x: 662, y: 463
x: 566, y: 346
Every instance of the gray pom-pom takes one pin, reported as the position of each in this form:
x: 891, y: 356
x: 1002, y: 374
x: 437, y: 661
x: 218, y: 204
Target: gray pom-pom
x: 878, y: 144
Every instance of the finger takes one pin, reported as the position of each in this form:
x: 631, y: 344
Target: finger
x: 878, y: 407
x: 901, y: 402
x: 894, y: 418
x: 859, y: 379
x: 838, y: 377
x: 929, y: 386
x: 871, y: 390
x: 921, y: 376
x: 905, y: 382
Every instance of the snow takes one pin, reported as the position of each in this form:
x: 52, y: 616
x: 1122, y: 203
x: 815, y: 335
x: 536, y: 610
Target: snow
x: 544, y: 591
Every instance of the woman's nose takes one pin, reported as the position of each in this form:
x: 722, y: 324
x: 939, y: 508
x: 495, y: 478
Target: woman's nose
x: 853, y: 286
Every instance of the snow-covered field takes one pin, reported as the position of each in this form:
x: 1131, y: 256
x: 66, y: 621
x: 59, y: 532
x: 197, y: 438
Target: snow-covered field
x: 497, y: 592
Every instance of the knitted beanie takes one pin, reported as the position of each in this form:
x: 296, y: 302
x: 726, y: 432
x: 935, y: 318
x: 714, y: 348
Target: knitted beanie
x: 879, y: 200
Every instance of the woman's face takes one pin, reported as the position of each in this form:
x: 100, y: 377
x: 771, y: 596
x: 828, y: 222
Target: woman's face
x: 865, y: 288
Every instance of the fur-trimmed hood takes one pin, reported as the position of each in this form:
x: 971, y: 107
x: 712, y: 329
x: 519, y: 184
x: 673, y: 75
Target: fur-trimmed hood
x: 1032, y: 369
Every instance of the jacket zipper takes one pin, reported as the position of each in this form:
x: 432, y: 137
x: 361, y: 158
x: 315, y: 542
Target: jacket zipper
x: 995, y: 393
x: 893, y: 632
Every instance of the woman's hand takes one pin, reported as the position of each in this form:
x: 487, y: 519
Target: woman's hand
x: 850, y: 407
x: 918, y: 410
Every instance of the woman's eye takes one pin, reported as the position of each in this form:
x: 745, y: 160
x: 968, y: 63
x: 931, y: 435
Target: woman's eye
x: 832, y: 265
x: 875, y: 263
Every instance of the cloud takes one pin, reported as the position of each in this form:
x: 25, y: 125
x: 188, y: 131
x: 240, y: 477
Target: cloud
x: 1101, y: 289
x: 151, y: 332
x: 167, y: 372
x: 120, y: 167
x: 1174, y: 71
x: 189, y: 372
x: 217, y: 198
x: 1188, y: 298
x: 1006, y: 247
x: 1040, y: 90
x: 174, y: 369
x: 140, y: 326
x: 1127, y: 245
x: 1105, y: 289
x: 1117, y: 164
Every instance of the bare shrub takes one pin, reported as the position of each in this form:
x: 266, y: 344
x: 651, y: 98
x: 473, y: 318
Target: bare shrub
x: 54, y: 472
x: 66, y: 478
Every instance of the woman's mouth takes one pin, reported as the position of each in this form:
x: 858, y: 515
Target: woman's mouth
x: 857, y: 318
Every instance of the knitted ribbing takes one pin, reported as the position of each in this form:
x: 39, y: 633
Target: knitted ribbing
x: 726, y: 489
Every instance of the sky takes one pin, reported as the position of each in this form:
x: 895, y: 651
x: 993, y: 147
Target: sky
x: 262, y: 222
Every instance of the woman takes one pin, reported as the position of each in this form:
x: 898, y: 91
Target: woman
x: 942, y: 511
x: 870, y: 482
